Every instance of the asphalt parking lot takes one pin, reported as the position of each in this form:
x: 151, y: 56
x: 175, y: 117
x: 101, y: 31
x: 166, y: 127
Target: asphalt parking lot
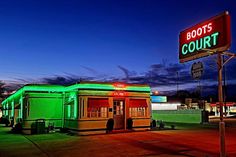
x: 193, y: 142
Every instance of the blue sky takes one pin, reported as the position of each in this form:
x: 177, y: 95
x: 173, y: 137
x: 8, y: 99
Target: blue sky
x: 42, y: 39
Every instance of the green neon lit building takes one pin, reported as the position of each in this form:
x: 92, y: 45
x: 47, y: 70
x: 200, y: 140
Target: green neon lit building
x: 83, y: 107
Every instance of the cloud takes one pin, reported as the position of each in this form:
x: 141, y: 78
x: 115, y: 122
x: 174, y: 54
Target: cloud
x: 157, y: 75
x: 65, y: 80
x: 163, y: 76
x: 91, y: 70
x: 127, y: 72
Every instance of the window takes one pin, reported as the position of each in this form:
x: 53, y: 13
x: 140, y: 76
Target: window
x: 97, y: 112
x: 138, y: 108
x: 70, y: 110
x: 27, y: 109
x: 104, y: 112
x: 118, y: 107
x: 137, y: 112
x: 81, y: 102
x: 97, y: 108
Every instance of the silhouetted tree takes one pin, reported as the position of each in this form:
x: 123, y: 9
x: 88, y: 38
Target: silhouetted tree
x: 183, y: 94
x: 195, y: 94
x: 2, y: 89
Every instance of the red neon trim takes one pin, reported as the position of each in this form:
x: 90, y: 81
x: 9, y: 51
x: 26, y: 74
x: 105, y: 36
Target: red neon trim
x: 138, y: 103
x: 98, y: 102
x: 227, y: 104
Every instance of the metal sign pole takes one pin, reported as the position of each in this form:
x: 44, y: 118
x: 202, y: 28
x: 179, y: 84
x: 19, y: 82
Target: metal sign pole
x: 221, y: 40
x: 220, y: 95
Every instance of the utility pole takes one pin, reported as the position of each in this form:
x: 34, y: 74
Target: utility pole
x: 220, y: 65
x: 199, y: 89
x: 177, y: 83
x: 220, y: 97
x: 224, y: 89
x: 221, y: 42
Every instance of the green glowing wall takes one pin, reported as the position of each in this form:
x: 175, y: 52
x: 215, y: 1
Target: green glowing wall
x: 12, y: 109
x: 48, y: 106
x: 179, y: 116
x: 71, y: 105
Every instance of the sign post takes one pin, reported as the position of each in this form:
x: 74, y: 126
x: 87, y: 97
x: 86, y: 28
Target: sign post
x: 206, y: 38
x: 220, y: 95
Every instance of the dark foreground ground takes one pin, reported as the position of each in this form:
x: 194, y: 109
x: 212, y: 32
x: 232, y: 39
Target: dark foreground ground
x: 199, y: 142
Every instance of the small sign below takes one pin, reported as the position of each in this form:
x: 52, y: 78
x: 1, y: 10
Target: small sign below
x: 197, y: 70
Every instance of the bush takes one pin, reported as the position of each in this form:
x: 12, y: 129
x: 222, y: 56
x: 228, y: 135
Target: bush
x: 33, y: 128
x: 154, y: 123
x: 162, y: 125
x: 17, y: 128
x: 110, y: 125
x: 5, y: 121
x: 129, y: 123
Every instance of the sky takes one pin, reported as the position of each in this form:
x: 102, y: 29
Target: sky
x: 65, y: 41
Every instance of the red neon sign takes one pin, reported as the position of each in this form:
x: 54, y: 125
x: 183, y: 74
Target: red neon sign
x: 211, y: 34
x: 119, y: 86
x: 119, y: 93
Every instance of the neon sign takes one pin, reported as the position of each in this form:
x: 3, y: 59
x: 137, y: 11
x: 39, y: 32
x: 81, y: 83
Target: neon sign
x: 211, y: 34
x: 156, y: 98
x: 119, y: 93
x: 119, y: 86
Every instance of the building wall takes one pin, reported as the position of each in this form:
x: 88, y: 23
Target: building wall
x: 67, y: 107
x: 165, y: 106
x: 83, y: 123
x: 47, y: 106
x: 181, y: 116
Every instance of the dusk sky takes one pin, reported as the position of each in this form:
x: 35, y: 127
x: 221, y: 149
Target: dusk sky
x: 121, y: 40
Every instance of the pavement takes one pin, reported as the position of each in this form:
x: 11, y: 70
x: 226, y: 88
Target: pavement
x: 161, y: 143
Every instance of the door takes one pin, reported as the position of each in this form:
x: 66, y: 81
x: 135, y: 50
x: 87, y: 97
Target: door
x: 118, y: 113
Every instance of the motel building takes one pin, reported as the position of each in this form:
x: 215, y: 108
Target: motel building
x: 229, y: 108
x: 85, y: 107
